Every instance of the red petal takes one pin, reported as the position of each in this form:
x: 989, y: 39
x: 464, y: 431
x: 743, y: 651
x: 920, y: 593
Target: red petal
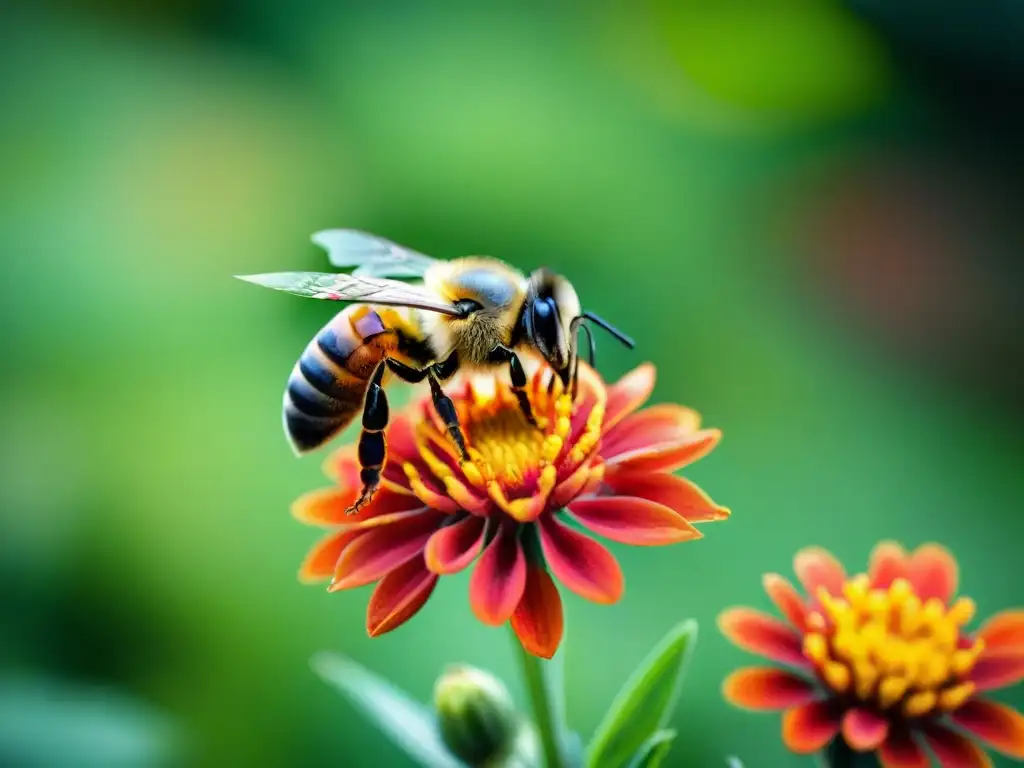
x: 864, y: 730
x: 810, y: 727
x: 933, y: 572
x: 327, y: 506
x: 786, y: 599
x: 676, y: 493
x: 383, y: 549
x: 632, y: 521
x: 815, y: 567
x: 662, y: 423
x: 887, y: 563
x: 499, y: 578
x: 901, y: 751
x: 579, y: 562
x: 538, y: 620
x: 455, y: 546
x: 1004, y: 630
x: 401, y: 439
x: 954, y: 751
x: 762, y: 634
x: 668, y: 457
x: 628, y: 394
x: 323, y: 557
x: 398, y: 597
x: 765, y: 688
x: 999, y: 726
x: 998, y: 669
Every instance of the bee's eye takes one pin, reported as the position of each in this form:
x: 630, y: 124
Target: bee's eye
x: 467, y: 307
x: 545, y: 323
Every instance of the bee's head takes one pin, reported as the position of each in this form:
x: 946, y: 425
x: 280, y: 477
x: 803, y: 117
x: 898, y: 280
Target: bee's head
x: 548, y: 315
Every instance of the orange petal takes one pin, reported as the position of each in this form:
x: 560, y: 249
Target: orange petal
x: 628, y: 394
x: 538, y: 619
x: 765, y: 688
x: 954, y: 751
x: 668, y: 456
x: 809, y: 727
x: 323, y: 557
x: 762, y: 634
x: 901, y: 751
x: 998, y: 669
x: 1004, y: 630
x: 999, y: 726
x: 334, y: 465
x: 579, y: 562
x: 816, y: 567
x: 887, y: 563
x: 676, y: 493
x: 383, y: 549
x: 933, y: 572
x: 786, y: 599
x: 398, y: 597
x: 863, y: 730
x: 662, y: 423
x: 327, y: 506
x: 499, y: 578
x: 632, y: 521
x: 455, y: 546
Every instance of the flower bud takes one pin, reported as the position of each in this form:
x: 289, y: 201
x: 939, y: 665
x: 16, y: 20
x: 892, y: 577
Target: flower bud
x: 475, y: 715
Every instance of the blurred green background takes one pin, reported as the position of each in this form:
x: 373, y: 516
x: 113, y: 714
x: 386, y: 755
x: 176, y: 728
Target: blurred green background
x: 807, y: 212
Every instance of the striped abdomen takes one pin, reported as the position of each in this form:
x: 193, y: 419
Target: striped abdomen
x: 327, y: 386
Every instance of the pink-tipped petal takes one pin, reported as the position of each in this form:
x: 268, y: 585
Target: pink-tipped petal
x: 762, y: 634
x: 499, y: 578
x: 628, y: 394
x: 1004, y: 630
x: 933, y: 572
x: 998, y: 668
x: 398, y: 597
x: 763, y: 688
x: 999, y: 726
x: 809, y: 727
x: 538, y: 621
x: 579, y: 562
x: 632, y: 521
x: 786, y: 599
x: 954, y: 751
x: 888, y: 562
x: 864, y: 730
x: 320, y: 563
x: 383, y: 549
x: 455, y: 546
x: 901, y: 751
x: 662, y: 423
x: 816, y: 567
x: 676, y: 493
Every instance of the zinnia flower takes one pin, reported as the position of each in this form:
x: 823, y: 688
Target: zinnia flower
x: 515, y: 507
x: 884, y: 659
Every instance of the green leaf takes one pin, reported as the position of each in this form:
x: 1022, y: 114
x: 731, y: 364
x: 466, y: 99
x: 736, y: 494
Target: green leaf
x: 646, y: 701
x: 405, y: 721
x: 653, y: 751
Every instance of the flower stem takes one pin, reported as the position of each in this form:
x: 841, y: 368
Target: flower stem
x: 839, y: 755
x: 546, y: 707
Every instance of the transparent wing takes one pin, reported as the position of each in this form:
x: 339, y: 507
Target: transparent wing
x: 371, y: 256
x: 337, y: 287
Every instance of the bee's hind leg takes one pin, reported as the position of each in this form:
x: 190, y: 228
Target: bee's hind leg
x: 372, y: 443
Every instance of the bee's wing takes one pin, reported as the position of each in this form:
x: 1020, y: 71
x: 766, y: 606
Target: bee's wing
x: 371, y: 256
x: 339, y: 287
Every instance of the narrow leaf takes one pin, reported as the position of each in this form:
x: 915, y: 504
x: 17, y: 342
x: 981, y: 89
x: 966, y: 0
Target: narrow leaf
x: 654, y: 750
x: 405, y: 721
x: 646, y: 701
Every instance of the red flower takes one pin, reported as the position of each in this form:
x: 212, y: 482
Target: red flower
x: 597, y: 462
x: 883, y: 659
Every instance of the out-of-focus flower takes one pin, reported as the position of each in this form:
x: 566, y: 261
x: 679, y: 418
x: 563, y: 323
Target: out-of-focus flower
x: 596, y: 462
x: 475, y: 715
x: 883, y: 659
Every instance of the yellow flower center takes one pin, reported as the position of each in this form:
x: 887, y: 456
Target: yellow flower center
x: 888, y: 648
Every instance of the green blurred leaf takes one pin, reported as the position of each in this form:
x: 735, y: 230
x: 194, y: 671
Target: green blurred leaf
x: 733, y: 762
x: 654, y: 750
x: 405, y: 721
x: 645, y: 702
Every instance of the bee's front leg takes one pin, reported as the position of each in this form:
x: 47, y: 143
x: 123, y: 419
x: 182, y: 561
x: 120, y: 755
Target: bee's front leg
x: 444, y: 405
x: 517, y: 374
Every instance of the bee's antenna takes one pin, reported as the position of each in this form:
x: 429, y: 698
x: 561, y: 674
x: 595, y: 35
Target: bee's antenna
x: 611, y: 329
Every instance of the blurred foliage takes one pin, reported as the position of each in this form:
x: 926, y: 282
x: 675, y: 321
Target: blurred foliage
x: 807, y: 213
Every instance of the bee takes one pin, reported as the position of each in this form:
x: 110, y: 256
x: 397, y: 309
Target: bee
x: 469, y: 313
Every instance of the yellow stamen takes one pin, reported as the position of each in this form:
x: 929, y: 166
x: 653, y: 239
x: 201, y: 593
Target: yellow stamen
x: 891, y: 690
x: 920, y: 703
x: 951, y: 698
x: 836, y: 675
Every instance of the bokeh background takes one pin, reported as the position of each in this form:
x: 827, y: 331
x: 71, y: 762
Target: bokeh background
x: 808, y: 212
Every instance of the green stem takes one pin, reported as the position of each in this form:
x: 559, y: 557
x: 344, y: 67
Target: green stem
x: 546, y: 715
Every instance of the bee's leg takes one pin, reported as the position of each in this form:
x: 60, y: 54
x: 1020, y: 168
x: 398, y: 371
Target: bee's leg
x: 518, y: 375
x: 372, y: 444
x: 444, y: 405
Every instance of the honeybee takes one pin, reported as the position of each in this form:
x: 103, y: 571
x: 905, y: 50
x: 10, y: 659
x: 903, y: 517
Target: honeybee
x: 468, y: 313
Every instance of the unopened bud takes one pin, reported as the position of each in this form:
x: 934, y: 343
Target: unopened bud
x: 475, y: 715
